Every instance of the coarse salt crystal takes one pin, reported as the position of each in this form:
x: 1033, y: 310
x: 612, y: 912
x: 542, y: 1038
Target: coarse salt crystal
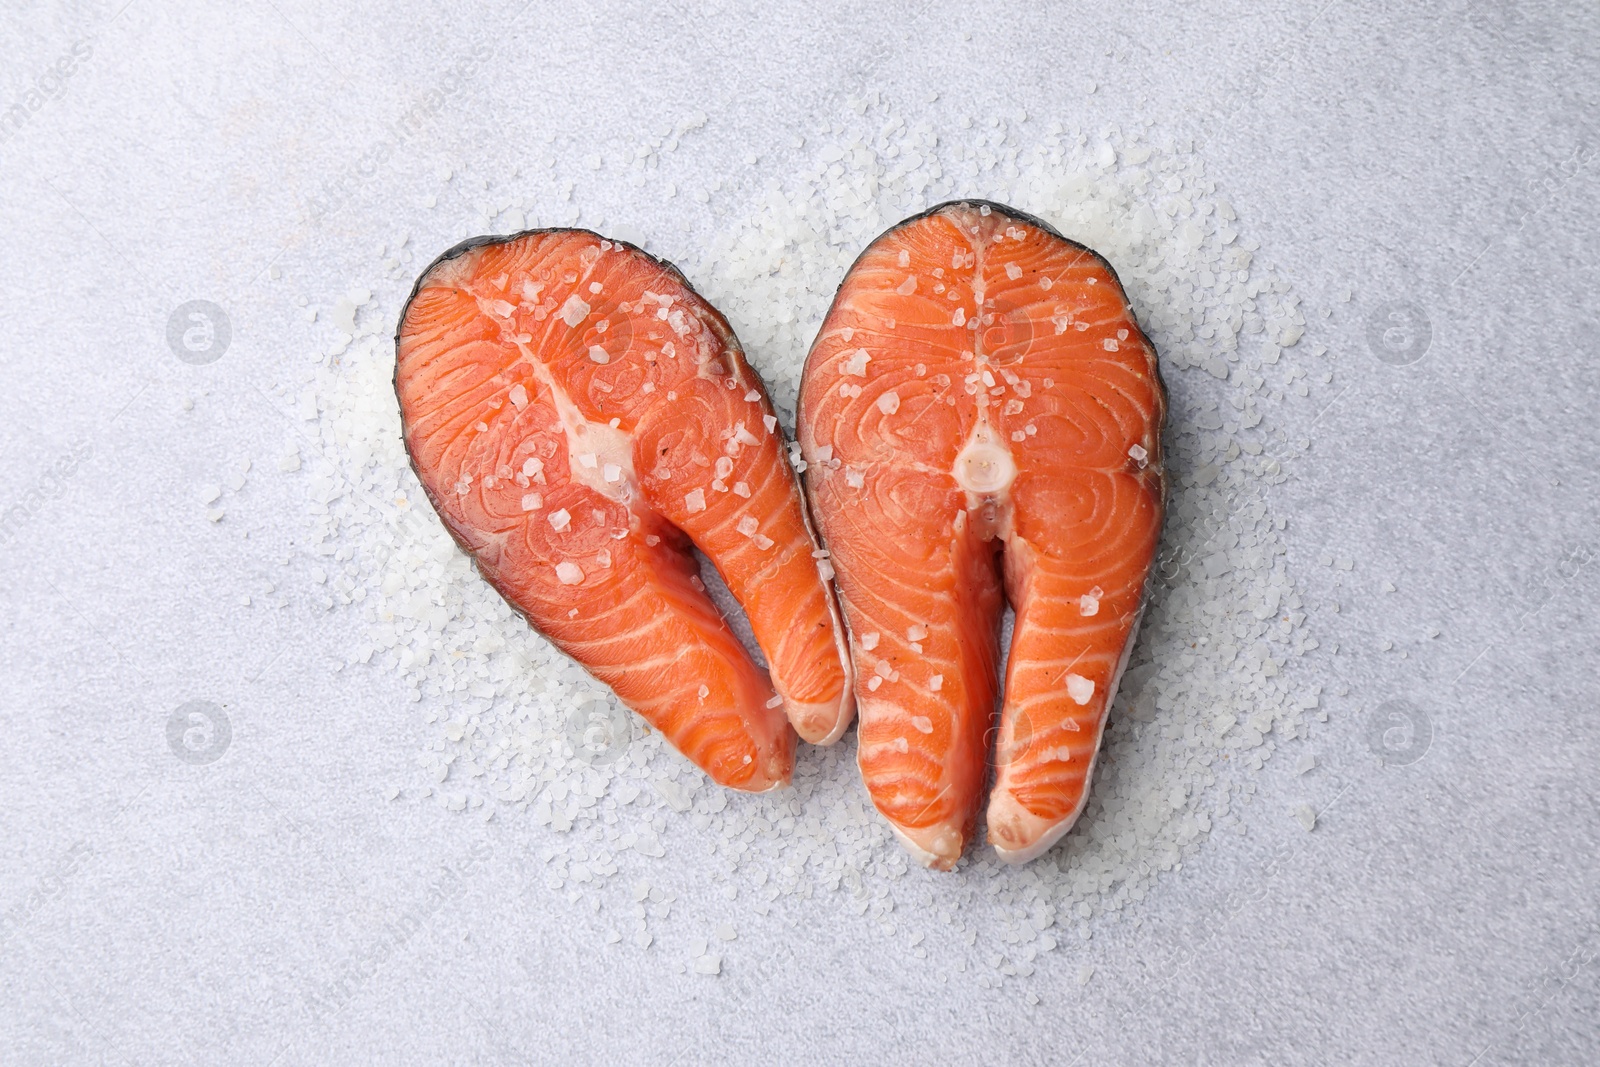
x: 569, y: 573
x: 532, y: 502
x: 889, y: 402
x: 1079, y: 688
x: 612, y: 472
x: 574, y: 311
x: 519, y: 395
x: 560, y: 520
x: 695, y: 500
x: 1013, y: 271
x: 869, y: 641
x: 936, y: 683
x: 748, y: 525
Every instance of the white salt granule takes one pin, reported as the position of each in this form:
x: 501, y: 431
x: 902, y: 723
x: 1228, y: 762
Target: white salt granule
x: 560, y: 520
x: 695, y: 500
x: 574, y: 311
x: 869, y: 641
x: 569, y: 573
x: 936, y: 683
x: 599, y: 355
x: 889, y: 402
x: 1079, y: 688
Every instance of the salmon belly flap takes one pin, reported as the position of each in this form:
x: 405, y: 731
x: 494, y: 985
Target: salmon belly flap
x: 981, y: 418
x: 582, y: 420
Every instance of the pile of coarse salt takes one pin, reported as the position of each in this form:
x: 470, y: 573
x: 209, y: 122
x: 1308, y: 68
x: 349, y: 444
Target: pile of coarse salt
x: 518, y: 729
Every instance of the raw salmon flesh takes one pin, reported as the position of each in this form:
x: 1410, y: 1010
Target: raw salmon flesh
x: 981, y: 418
x: 581, y: 419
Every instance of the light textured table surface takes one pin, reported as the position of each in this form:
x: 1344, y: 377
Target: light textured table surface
x: 1439, y: 155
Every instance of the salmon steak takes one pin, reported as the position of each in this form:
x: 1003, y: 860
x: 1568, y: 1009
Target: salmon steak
x: 582, y: 420
x: 980, y: 418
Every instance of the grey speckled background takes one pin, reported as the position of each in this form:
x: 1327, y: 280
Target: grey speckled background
x: 1441, y: 155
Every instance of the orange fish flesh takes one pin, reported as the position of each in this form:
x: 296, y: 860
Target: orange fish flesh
x: 981, y: 418
x: 581, y: 419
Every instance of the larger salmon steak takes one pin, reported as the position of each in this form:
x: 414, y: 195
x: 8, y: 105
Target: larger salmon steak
x: 582, y: 419
x: 981, y: 417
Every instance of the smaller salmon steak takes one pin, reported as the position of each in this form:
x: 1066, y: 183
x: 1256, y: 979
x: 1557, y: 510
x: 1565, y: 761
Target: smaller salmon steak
x: 581, y: 419
x: 981, y: 420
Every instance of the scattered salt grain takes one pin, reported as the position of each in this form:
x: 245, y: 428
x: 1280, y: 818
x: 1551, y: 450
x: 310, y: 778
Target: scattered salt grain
x: 1079, y: 688
x: 574, y: 311
x: 869, y: 641
x: 569, y: 573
